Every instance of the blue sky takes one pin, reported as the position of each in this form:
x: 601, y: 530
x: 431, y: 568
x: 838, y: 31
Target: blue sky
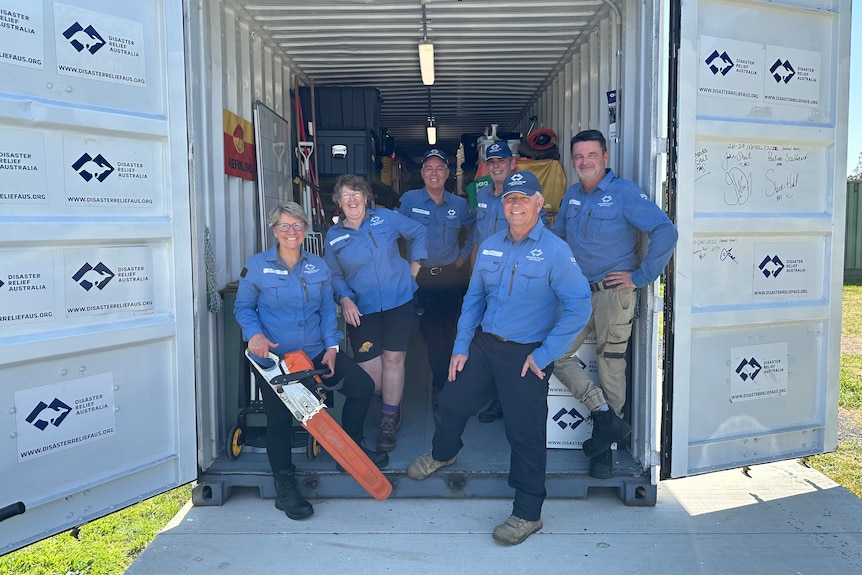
x: 854, y: 136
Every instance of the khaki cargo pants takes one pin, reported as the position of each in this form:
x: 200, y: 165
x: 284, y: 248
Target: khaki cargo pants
x: 611, y: 321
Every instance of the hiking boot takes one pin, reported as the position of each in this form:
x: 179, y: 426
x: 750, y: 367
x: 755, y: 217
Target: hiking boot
x: 493, y: 413
x: 287, y: 496
x: 607, y: 429
x: 389, y: 423
x: 425, y: 465
x: 378, y: 458
x: 602, y: 465
x: 514, y: 530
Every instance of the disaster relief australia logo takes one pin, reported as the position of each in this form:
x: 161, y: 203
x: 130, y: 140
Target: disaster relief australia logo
x: 758, y: 372
x: 84, y: 38
x: 64, y: 415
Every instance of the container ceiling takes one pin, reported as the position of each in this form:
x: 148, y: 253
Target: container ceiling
x: 492, y: 59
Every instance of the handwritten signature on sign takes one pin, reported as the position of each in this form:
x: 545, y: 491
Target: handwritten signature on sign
x: 727, y: 254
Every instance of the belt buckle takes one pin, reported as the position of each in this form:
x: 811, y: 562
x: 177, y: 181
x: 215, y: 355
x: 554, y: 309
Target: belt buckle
x: 436, y: 270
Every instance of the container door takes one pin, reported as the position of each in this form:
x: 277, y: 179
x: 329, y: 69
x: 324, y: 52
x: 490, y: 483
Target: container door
x: 96, y: 328
x: 759, y: 145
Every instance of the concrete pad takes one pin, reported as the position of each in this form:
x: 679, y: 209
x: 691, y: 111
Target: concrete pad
x: 777, y: 518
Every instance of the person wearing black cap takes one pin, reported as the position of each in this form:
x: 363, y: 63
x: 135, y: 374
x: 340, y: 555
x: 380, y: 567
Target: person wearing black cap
x: 526, y: 302
x: 446, y: 218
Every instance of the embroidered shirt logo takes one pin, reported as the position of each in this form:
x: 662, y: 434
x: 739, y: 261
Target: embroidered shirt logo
x: 310, y: 269
x: 375, y: 221
x: 606, y: 201
x: 536, y: 255
x: 451, y: 214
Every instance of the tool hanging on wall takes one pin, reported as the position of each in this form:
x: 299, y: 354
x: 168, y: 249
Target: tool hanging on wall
x: 310, y: 194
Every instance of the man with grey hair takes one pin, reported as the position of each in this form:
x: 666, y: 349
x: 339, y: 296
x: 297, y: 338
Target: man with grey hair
x: 526, y: 302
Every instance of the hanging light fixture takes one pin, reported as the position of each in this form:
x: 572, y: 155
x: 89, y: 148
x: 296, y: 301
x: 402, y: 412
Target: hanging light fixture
x: 431, y: 129
x: 426, y: 53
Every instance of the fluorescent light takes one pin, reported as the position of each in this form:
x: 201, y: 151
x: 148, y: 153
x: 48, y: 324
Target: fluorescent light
x: 432, y: 135
x: 426, y: 62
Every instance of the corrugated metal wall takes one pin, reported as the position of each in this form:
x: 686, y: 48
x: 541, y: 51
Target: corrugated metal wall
x: 853, y: 231
x: 231, y: 67
x: 620, y: 53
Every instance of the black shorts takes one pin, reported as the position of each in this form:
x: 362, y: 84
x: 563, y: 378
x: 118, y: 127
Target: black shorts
x: 388, y: 330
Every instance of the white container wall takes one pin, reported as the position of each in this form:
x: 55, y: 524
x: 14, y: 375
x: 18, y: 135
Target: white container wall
x: 232, y: 67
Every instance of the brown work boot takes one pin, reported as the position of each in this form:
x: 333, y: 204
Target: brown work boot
x: 514, y: 530
x: 425, y: 465
x: 389, y: 423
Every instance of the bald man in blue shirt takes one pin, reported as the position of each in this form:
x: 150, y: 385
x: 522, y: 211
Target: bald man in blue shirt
x: 526, y: 303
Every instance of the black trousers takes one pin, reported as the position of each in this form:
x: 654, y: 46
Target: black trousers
x: 494, y: 366
x: 357, y: 389
x: 440, y: 297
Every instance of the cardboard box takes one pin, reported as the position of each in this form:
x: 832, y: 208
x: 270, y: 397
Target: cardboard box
x: 568, y: 422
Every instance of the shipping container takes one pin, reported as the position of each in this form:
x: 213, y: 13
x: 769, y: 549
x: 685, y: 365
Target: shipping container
x: 121, y: 230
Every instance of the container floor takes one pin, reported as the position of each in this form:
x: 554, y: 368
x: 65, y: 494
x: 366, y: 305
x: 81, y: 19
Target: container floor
x: 481, y: 469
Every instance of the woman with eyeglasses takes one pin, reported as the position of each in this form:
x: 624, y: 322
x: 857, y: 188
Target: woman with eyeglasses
x: 285, y: 303
x: 375, y: 286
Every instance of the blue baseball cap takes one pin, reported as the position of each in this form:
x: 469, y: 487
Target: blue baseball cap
x: 498, y: 150
x: 434, y: 153
x: 522, y: 182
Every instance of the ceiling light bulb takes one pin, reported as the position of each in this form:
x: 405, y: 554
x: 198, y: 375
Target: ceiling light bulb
x: 426, y: 62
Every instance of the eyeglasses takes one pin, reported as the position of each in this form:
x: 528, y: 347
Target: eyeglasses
x: 352, y: 196
x: 297, y: 227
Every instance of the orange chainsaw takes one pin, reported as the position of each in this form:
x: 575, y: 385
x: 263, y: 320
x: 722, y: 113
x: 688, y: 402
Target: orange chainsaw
x: 286, y: 377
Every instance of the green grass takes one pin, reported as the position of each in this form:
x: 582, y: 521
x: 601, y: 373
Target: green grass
x: 844, y: 465
x: 106, y: 546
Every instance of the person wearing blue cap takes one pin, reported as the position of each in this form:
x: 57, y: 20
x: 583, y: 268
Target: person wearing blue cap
x: 447, y: 218
x: 490, y: 219
x: 526, y: 303
x: 601, y: 218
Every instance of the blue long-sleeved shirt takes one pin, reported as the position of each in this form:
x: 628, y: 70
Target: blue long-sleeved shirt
x: 490, y: 217
x: 366, y: 264
x: 443, y: 224
x: 294, y: 309
x: 601, y: 227
x: 529, y: 291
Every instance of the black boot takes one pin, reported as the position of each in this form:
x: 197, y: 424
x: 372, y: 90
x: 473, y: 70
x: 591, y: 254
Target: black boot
x: 287, y: 496
x: 602, y: 465
x: 378, y: 458
x: 607, y: 429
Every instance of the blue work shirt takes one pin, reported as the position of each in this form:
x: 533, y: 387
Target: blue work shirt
x: 294, y: 309
x: 531, y: 291
x: 366, y: 264
x: 443, y: 224
x: 490, y: 217
x: 601, y: 227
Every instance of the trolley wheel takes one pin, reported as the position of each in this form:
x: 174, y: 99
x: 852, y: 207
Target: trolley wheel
x: 312, y: 447
x: 233, y: 447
